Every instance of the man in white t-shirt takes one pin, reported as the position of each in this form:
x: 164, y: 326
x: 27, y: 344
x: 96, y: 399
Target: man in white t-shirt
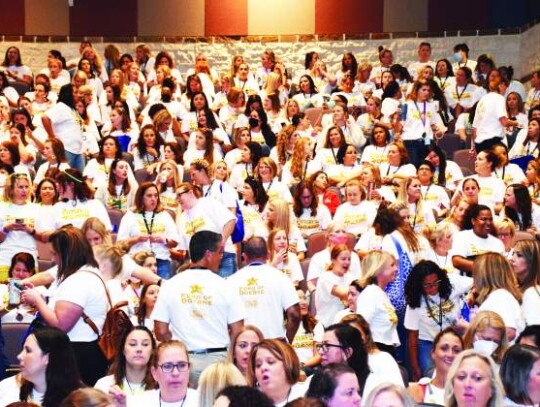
x: 267, y: 293
x: 199, y: 307
x: 206, y: 214
x: 424, y: 55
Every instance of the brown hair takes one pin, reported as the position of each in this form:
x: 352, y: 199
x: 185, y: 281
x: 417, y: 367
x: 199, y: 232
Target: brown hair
x: 282, y: 351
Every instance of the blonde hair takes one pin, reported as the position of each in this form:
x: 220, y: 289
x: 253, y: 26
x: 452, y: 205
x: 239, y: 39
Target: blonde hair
x: 403, y: 196
x: 399, y: 391
x: 497, y: 391
x: 215, y: 378
x: 506, y: 224
x: 97, y: 226
x: 372, y: 264
x: 482, y: 321
x: 283, y: 215
x: 491, y: 272
x: 433, y: 233
x: 113, y: 254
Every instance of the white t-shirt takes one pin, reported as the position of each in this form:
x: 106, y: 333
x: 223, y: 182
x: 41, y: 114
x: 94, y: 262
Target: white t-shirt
x: 420, y: 117
x: 292, y: 269
x: 506, y: 305
x: 133, y: 224
x: 308, y: 224
x: 467, y: 244
x: 383, y: 364
x: 86, y: 290
x: 373, y: 304
x: 530, y: 304
x: 321, y: 261
x: 9, y: 392
x: 375, y: 155
x: 491, y: 191
x: 329, y: 305
x: 510, y: 174
x: 76, y: 212
x: 489, y: 110
x: 357, y: 219
x: 426, y: 321
x: 267, y: 293
x: 67, y: 127
x: 207, y: 214
x: 152, y: 398
x: 199, y: 305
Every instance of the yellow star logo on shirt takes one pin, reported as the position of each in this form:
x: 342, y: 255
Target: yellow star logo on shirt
x: 196, y: 289
x: 251, y: 281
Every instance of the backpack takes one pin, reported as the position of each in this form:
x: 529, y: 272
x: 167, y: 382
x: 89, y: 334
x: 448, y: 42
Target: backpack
x: 116, y: 325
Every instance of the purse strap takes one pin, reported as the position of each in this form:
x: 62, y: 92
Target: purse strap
x: 85, y: 316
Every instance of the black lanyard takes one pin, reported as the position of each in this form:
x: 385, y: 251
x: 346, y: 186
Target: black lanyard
x: 529, y: 146
x: 388, y: 171
x: 430, y: 312
x: 459, y: 95
x: 151, y: 227
x: 209, y: 188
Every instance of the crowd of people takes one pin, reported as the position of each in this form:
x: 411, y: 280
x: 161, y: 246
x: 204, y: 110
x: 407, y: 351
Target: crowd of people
x: 275, y: 237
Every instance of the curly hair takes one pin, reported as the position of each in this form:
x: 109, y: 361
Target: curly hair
x: 414, y: 286
x: 298, y: 159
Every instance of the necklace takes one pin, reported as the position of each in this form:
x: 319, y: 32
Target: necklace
x: 181, y: 405
x: 131, y: 390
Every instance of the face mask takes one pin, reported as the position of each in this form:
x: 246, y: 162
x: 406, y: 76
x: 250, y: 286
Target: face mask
x: 457, y: 57
x: 485, y: 347
x: 341, y: 239
x: 253, y: 122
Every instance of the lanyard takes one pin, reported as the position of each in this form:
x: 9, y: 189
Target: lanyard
x: 149, y: 228
x: 388, y: 171
x: 529, y: 146
x: 422, y: 114
x: 459, y: 95
x: 269, y: 186
x: 333, y: 154
x: 427, y: 190
x: 438, y: 321
x: 503, y: 172
x: 209, y: 188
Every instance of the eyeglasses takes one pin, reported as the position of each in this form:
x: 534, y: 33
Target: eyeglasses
x: 169, y: 367
x: 432, y: 285
x: 324, y: 347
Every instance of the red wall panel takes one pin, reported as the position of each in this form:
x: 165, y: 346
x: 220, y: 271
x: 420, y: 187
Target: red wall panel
x: 226, y: 17
x: 348, y: 16
x: 11, y: 17
x: 103, y: 17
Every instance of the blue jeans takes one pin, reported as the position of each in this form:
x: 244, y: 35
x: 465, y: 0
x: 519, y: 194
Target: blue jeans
x: 424, y: 355
x: 164, y: 268
x: 227, y: 267
x: 75, y: 160
x: 416, y: 150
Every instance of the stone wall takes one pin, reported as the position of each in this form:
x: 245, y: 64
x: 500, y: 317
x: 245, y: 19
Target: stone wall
x: 522, y: 50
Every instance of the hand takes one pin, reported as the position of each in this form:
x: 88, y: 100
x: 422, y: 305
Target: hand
x: 292, y: 246
x: 374, y: 194
x: 416, y: 373
x: 118, y: 396
x: 142, y: 238
x: 472, y: 153
x: 157, y: 239
x: 280, y: 257
x: 30, y: 296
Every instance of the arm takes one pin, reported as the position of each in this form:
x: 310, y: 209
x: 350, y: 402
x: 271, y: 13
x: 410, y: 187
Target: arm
x: 145, y: 275
x: 64, y: 316
x: 293, y: 321
x: 413, y: 354
x: 161, y: 330
x: 228, y: 229
x: 47, y: 125
x: 339, y: 292
x: 235, y: 327
x: 462, y: 264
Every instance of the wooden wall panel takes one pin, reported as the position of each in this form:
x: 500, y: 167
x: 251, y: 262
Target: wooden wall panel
x: 277, y: 17
x: 11, y: 17
x: 171, y: 17
x: 49, y: 17
x: 226, y: 17
x: 350, y: 17
x: 103, y: 17
x: 405, y: 15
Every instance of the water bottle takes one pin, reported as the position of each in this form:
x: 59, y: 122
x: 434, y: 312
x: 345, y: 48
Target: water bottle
x: 404, y: 108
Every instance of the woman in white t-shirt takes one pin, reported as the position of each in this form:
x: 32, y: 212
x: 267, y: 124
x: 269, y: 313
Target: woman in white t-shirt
x: 311, y: 214
x: 79, y: 290
x: 333, y: 285
x: 148, y: 298
x: 281, y: 258
x: 149, y: 150
x: 47, y: 352
x: 170, y: 359
x: 14, y: 68
x: 379, y: 269
x: 525, y: 262
x: 497, y: 288
x: 420, y: 213
x: 131, y: 373
x: 55, y: 156
x: 434, y: 302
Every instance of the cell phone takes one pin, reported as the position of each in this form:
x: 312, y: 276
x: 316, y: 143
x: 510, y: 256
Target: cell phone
x: 19, y: 286
x: 19, y: 221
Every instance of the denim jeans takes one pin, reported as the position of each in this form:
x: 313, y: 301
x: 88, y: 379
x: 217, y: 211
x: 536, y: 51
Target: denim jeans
x: 424, y: 355
x: 227, y: 267
x: 416, y: 150
x: 75, y: 160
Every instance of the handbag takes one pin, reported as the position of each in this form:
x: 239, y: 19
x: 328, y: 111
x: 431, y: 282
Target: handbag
x: 396, y: 289
x: 239, y: 231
